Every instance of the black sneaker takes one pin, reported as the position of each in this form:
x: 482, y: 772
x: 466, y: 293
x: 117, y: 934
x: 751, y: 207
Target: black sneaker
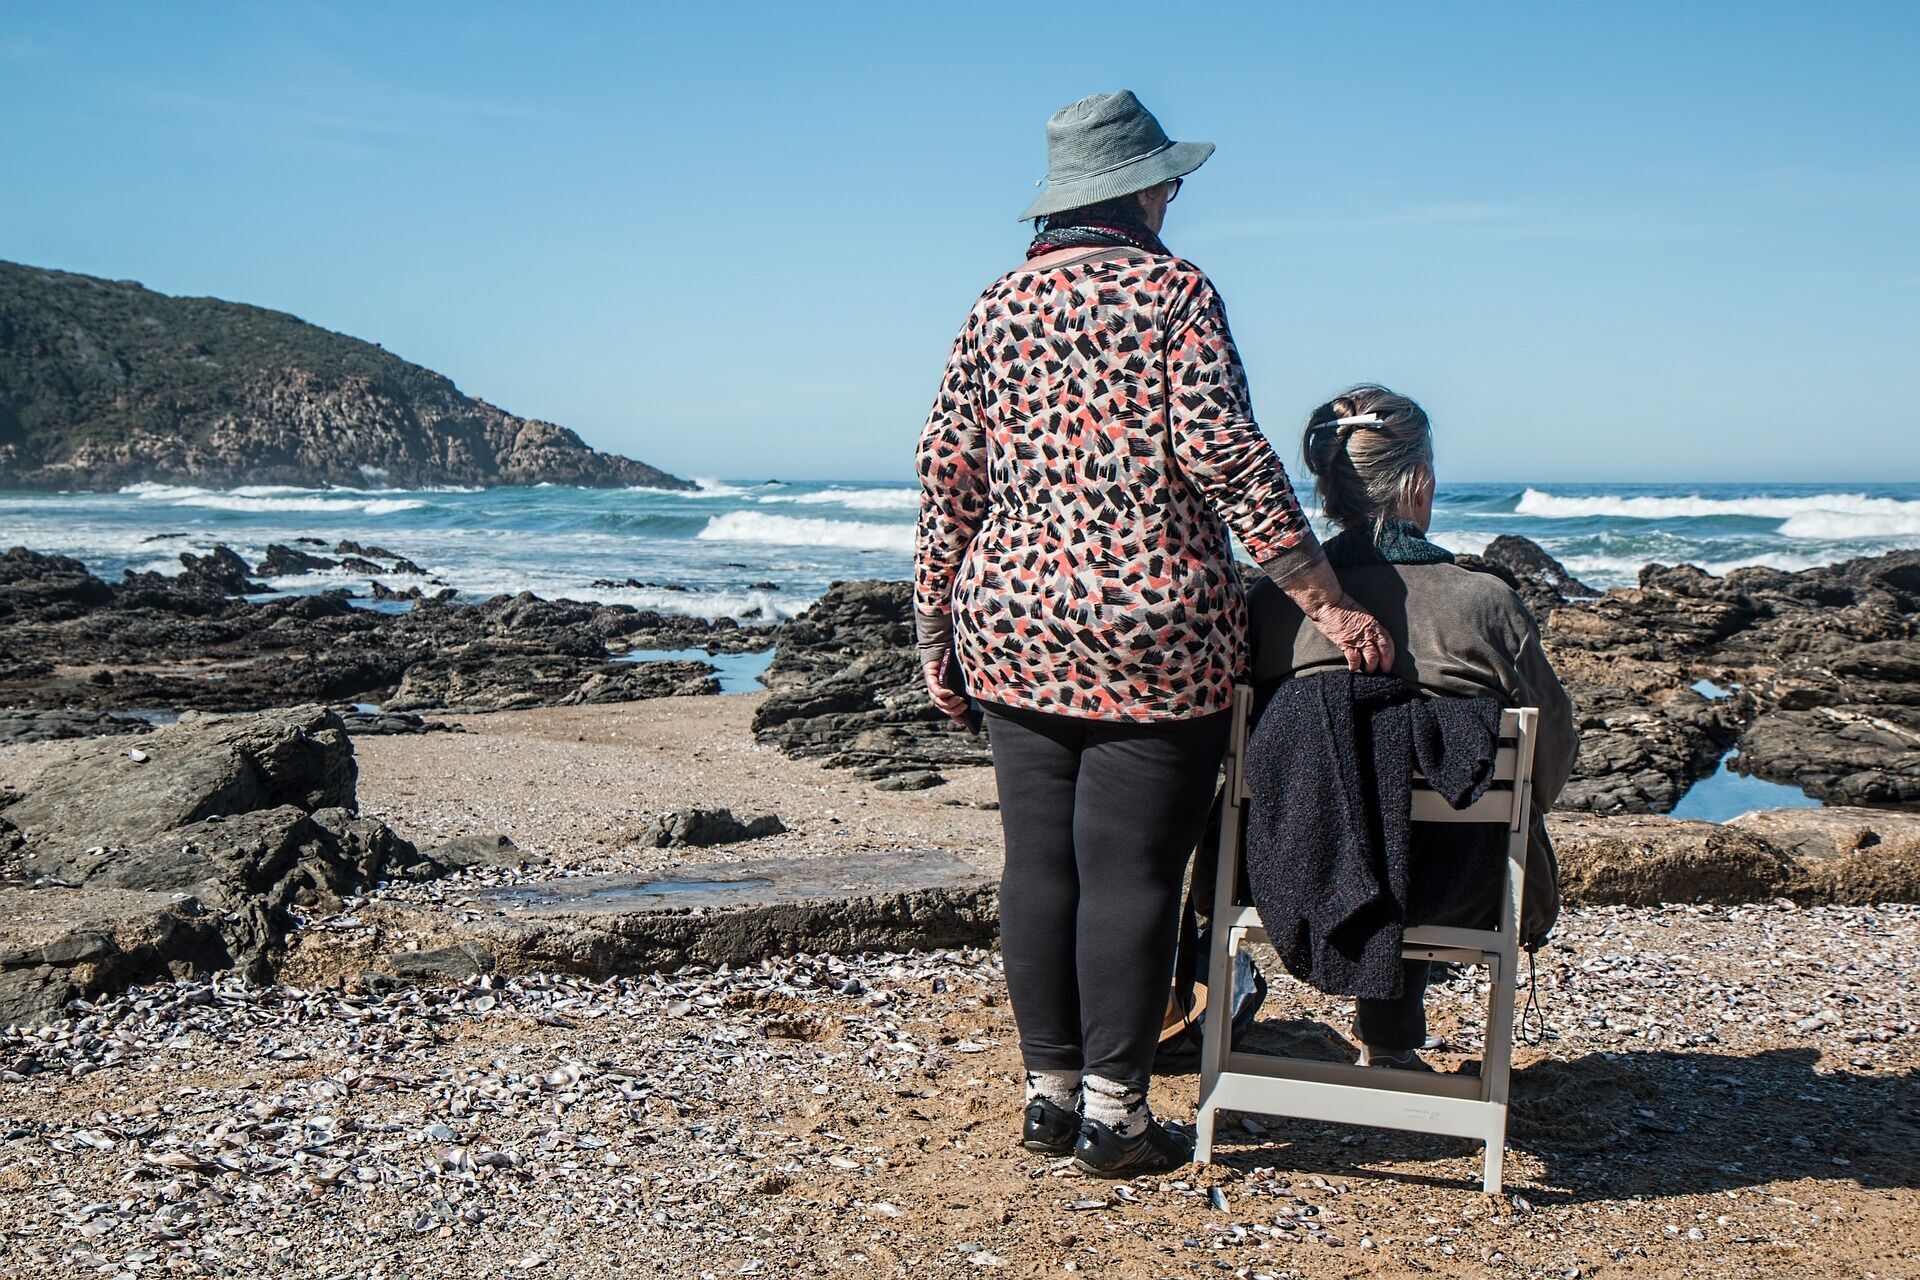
x: 1050, y: 1129
x: 1404, y: 1060
x: 1103, y: 1152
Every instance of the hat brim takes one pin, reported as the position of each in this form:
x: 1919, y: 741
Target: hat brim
x: 1177, y: 161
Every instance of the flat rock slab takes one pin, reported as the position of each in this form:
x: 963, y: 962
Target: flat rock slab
x: 62, y: 944
x: 720, y: 913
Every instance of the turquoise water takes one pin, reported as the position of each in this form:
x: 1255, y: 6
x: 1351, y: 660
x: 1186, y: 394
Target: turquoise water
x: 1726, y: 795
x: 737, y: 672
x: 714, y: 552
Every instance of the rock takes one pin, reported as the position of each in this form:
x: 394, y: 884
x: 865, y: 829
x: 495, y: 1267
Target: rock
x: 172, y: 642
x: 498, y: 675
x: 221, y: 572
x: 456, y: 963
x: 40, y: 586
x: 354, y: 564
x: 197, y: 769
x: 699, y: 828
x: 46, y: 726
x: 282, y: 561
x: 1641, y: 861
x: 1825, y: 835
x: 848, y: 691
x: 366, y: 850
x: 1849, y: 755
x: 1541, y: 581
x: 462, y: 852
x: 58, y: 945
x: 917, y: 780
x: 1882, y: 873
x: 735, y: 913
x: 275, y: 858
x: 383, y: 722
x: 251, y: 815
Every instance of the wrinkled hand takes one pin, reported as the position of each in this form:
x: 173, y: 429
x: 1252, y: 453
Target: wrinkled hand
x: 1358, y: 633
x: 951, y: 704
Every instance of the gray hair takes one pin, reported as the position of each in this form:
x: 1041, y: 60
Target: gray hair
x: 1365, y: 448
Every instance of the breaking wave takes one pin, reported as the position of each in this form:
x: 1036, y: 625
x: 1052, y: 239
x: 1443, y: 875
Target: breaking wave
x: 1820, y: 515
x: 854, y: 499
x: 805, y: 531
x: 272, y: 497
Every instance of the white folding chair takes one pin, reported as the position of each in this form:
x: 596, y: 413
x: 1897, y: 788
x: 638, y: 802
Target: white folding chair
x: 1462, y: 1105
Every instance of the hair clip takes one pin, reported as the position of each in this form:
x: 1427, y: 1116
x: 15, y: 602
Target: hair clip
x: 1357, y: 420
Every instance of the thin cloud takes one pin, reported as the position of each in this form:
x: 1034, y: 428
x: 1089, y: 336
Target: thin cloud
x: 347, y: 111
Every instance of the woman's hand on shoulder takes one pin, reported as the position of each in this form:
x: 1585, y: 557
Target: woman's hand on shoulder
x: 1341, y: 618
x: 1358, y: 633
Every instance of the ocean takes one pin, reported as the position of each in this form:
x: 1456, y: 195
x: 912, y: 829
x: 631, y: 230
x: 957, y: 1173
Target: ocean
x: 767, y: 550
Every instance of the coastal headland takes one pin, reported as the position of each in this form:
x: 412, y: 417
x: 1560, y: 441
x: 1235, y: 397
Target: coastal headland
x: 104, y: 383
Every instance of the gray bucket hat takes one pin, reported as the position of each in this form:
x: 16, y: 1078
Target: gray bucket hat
x: 1105, y: 146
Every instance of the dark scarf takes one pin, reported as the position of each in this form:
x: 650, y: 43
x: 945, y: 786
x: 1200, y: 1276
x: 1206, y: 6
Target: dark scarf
x: 1115, y: 233
x: 1396, y: 542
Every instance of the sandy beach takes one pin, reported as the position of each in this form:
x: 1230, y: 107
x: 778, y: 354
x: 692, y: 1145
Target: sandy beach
x: 574, y: 785
x: 1723, y: 1091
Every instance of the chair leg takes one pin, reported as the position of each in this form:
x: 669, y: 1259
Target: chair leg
x: 1203, y: 1133
x: 1496, y: 1155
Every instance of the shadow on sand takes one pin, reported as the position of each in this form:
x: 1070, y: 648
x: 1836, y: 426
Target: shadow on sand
x: 1649, y: 1123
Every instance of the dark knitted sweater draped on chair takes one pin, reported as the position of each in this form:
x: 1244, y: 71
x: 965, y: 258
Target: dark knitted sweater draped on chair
x: 1330, y: 768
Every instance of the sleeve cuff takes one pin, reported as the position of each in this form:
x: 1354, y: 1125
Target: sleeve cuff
x: 933, y: 632
x: 1300, y: 558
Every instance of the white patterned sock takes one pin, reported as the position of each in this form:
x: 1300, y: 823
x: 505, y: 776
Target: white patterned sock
x: 1061, y: 1088
x: 1113, y: 1104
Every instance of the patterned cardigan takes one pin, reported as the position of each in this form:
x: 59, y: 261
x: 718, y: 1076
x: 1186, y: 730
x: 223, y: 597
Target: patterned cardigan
x: 1091, y: 431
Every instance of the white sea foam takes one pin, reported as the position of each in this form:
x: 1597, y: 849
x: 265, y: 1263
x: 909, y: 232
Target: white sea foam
x: 1822, y: 515
x: 1464, y: 542
x: 803, y: 531
x: 242, y: 502
x: 1871, y: 524
x: 278, y: 497
x: 854, y: 499
x: 711, y: 488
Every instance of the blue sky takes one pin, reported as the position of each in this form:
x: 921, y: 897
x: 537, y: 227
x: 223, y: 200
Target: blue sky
x: 1599, y: 242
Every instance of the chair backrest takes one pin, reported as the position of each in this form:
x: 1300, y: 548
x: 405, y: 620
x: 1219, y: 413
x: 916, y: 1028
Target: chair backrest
x: 1507, y: 800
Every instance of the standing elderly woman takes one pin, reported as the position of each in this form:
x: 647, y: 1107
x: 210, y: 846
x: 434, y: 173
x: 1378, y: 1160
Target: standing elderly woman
x: 1091, y: 432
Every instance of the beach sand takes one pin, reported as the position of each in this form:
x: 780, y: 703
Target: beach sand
x: 1725, y: 1092
x: 575, y: 784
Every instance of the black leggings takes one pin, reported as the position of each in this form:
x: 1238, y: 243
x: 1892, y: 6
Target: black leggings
x: 1100, y: 819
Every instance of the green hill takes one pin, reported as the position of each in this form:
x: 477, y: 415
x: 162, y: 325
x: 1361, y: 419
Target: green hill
x: 105, y: 384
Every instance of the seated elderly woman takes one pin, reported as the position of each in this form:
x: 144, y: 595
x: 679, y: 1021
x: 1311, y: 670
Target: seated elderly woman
x: 1457, y: 632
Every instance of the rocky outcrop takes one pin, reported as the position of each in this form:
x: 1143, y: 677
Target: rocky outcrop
x: 1643, y: 860
x: 51, y: 725
x: 105, y: 384
x: 1804, y: 855
x: 61, y: 945
x: 77, y: 643
x: 1542, y: 581
x: 1825, y: 665
x: 732, y: 913
x: 84, y: 812
x: 848, y: 691
x: 190, y: 851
